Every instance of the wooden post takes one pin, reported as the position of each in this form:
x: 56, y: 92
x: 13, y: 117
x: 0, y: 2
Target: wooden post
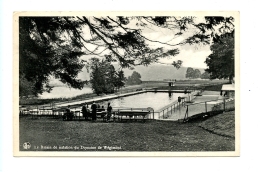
x: 187, y: 111
x: 224, y: 104
x: 206, y: 106
x: 163, y: 114
x: 153, y: 114
x: 171, y: 110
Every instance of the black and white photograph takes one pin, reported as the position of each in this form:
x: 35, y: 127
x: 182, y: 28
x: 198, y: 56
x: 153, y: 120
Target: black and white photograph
x: 126, y: 84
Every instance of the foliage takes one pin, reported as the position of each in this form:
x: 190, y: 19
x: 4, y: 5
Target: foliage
x: 215, y: 28
x: 205, y: 75
x: 221, y: 61
x: 190, y: 72
x: 193, y: 73
x: 52, y: 46
x: 197, y: 73
x: 104, y: 78
x: 25, y: 87
x: 134, y: 79
x: 120, y: 79
x: 44, y: 51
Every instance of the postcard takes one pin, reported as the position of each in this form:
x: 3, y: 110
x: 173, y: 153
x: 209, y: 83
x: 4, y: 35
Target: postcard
x: 126, y: 84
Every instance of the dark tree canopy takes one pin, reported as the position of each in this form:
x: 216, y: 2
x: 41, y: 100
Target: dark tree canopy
x: 104, y: 78
x: 43, y: 52
x: 197, y: 73
x: 53, y: 46
x: 205, y: 75
x: 134, y: 79
x: 221, y: 61
x: 192, y: 73
x: 120, y: 79
x: 189, y: 73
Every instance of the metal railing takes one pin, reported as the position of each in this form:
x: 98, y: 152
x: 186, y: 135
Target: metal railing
x: 208, y: 107
x: 169, y: 110
x: 165, y: 112
x: 36, y: 112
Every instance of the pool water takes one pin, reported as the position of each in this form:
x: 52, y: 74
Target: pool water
x: 156, y: 100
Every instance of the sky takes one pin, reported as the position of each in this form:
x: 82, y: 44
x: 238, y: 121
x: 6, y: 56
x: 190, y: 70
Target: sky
x: 192, y: 56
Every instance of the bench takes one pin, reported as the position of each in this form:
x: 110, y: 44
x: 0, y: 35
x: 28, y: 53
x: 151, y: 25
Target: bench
x: 132, y: 115
x: 68, y: 116
x: 102, y: 114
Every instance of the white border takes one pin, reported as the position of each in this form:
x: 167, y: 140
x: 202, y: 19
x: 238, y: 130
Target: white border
x: 125, y: 154
x: 249, y: 159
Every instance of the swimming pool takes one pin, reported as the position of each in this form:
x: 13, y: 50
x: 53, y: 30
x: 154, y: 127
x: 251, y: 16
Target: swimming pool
x: 156, y: 100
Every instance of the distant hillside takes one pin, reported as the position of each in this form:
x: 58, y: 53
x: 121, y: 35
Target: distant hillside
x: 153, y: 72
x: 159, y: 72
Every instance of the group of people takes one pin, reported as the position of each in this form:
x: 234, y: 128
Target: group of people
x: 93, y: 114
x: 225, y: 94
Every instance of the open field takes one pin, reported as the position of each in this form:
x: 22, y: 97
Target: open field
x: 126, y: 136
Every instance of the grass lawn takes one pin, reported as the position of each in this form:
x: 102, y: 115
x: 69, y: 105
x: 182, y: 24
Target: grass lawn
x: 222, y: 124
x: 128, y: 136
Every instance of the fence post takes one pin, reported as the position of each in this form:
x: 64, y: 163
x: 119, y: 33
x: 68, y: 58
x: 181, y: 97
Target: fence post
x: 153, y: 114
x: 206, y: 106
x: 224, y: 104
x: 163, y: 114
x: 171, y: 109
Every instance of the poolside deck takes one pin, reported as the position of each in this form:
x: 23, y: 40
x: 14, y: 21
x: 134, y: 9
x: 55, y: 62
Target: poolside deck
x: 109, y: 97
x: 198, y: 106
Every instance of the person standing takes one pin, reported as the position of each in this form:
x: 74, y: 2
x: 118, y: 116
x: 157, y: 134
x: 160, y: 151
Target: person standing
x: 69, y: 114
x: 88, y: 112
x: 179, y: 102
x: 84, y: 112
x: 109, y: 111
x: 94, y: 111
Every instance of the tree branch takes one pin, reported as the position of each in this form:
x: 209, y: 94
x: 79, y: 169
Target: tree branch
x: 143, y: 36
x: 109, y: 45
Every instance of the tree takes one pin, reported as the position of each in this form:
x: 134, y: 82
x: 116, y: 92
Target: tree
x: 134, y: 79
x: 44, y: 52
x: 97, y: 78
x: 197, y: 73
x: 193, y: 73
x: 25, y: 87
x: 190, y: 73
x: 221, y: 61
x: 120, y: 79
x: 104, y: 78
x: 52, y: 46
x: 205, y: 75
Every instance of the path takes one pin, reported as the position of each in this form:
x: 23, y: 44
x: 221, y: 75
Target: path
x: 109, y: 97
x: 199, y: 106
